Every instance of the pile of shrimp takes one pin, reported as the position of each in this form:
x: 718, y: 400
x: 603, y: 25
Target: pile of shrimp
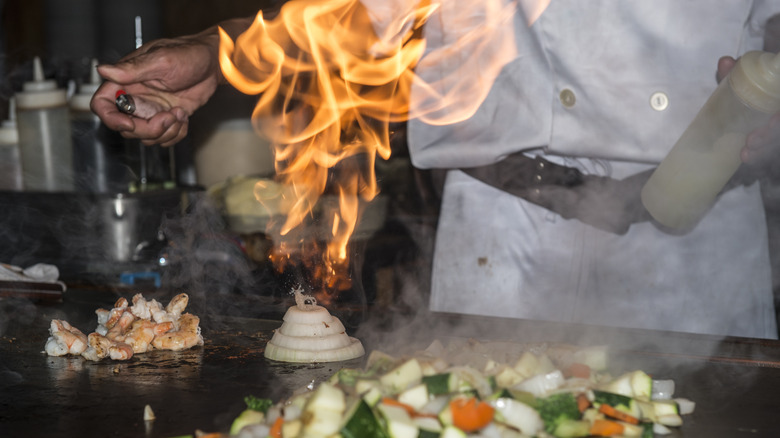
x: 126, y: 330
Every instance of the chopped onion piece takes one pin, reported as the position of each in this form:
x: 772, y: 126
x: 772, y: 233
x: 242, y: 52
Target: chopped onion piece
x: 662, y: 389
x: 685, y: 406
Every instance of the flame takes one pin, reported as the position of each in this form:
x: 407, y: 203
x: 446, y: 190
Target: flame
x: 331, y: 76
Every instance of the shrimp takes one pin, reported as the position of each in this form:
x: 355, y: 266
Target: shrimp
x: 186, y: 336
x: 120, y: 351
x: 173, y: 310
x: 142, y: 332
x: 116, y: 313
x: 98, y: 347
x: 119, y: 330
x: 65, y: 339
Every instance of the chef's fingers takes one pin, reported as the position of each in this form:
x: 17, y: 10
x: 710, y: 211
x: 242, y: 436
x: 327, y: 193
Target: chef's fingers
x: 725, y: 64
x: 103, y: 104
x: 763, y: 143
x: 166, y: 128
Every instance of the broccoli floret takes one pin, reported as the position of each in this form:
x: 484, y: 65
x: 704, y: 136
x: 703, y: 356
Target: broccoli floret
x: 258, y: 404
x: 556, y: 409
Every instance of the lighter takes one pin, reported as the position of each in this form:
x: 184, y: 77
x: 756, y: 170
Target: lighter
x: 136, y: 106
x: 125, y: 102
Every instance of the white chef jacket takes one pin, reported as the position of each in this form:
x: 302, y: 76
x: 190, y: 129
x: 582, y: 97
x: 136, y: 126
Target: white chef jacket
x: 607, y: 86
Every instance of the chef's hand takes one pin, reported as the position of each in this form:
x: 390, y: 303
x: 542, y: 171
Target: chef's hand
x: 174, y: 77
x: 763, y: 143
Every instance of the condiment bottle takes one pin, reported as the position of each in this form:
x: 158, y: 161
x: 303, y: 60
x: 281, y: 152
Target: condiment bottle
x: 98, y: 152
x: 10, y: 164
x: 45, y: 141
x: 688, y: 180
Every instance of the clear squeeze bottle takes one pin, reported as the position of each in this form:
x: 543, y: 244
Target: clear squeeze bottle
x: 690, y: 177
x: 98, y: 152
x: 43, y: 120
x: 10, y: 165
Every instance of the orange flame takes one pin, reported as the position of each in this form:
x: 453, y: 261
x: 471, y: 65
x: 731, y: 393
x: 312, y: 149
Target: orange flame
x: 330, y: 84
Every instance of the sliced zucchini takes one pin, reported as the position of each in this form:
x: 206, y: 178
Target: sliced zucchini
x: 249, y: 416
x: 618, y: 401
x: 327, y: 397
x: 416, y: 396
x: 361, y: 422
x: 572, y: 429
x: 403, y: 376
x: 399, y: 424
x: 428, y: 425
x: 439, y: 384
x: 452, y: 432
x: 632, y: 384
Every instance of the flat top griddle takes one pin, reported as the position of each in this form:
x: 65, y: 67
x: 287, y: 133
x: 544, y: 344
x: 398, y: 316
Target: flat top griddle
x: 735, y: 382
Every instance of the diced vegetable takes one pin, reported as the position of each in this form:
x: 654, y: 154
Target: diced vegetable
x: 407, y: 374
x: 247, y: 417
x: 452, y: 432
x: 443, y: 383
x: 541, y: 384
x: 257, y: 403
x: 361, y: 422
x: 662, y: 389
x: 428, y: 424
x: 578, y: 370
x: 399, y: 423
x: 558, y: 408
x: 606, y: 428
x: 416, y: 396
x: 470, y: 414
x: 685, y: 406
x: 518, y: 415
x: 620, y: 402
x: 276, y: 429
x: 582, y: 402
x: 572, y: 429
x: 323, y: 411
x: 617, y: 414
x: 632, y: 384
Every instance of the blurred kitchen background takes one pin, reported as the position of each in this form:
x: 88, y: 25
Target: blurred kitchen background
x: 150, y: 217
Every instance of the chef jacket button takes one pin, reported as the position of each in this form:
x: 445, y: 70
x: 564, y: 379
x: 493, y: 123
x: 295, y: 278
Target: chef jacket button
x: 659, y: 101
x: 567, y: 98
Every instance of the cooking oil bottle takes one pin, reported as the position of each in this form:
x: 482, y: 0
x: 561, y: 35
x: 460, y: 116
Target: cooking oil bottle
x: 690, y: 177
x: 43, y: 121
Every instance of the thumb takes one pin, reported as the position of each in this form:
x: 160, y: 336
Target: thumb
x: 123, y: 73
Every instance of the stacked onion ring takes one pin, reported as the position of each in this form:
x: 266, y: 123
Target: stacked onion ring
x: 310, y: 333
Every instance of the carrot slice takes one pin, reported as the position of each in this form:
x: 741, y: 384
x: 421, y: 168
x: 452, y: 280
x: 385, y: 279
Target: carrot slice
x: 609, y: 411
x: 393, y: 402
x: 582, y: 402
x: 606, y: 428
x: 470, y: 415
x: 276, y: 428
x: 578, y: 370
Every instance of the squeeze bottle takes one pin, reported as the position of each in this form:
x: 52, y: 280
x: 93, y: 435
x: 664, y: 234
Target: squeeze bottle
x: 10, y: 164
x: 690, y: 177
x: 42, y: 117
x: 98, y: 152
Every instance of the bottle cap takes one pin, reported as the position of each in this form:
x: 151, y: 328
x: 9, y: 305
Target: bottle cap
x: 40, y: 92
x: 8, y: 132
x: 80, y: 101
x: 756, y: 80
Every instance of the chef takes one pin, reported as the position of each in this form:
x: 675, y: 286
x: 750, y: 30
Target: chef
x: 540, y: 217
